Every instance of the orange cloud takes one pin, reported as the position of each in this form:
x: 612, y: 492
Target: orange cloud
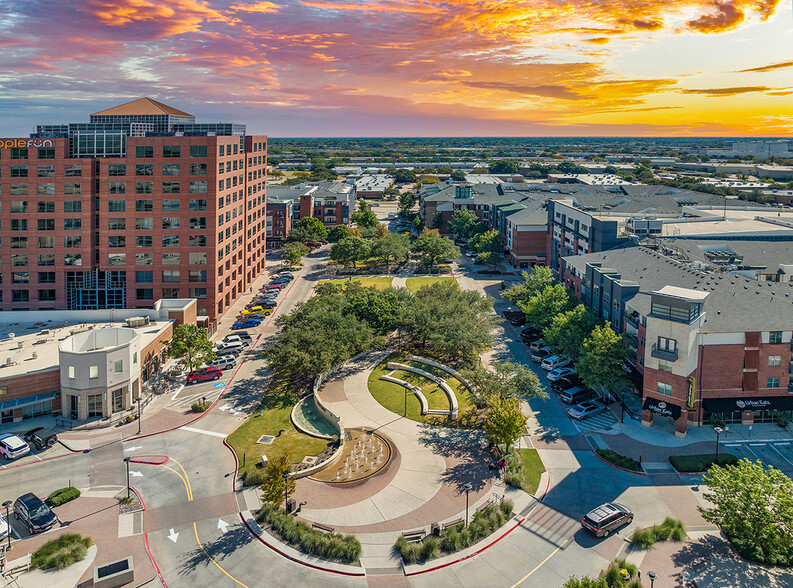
x: 727, y: 91
x: 771, y: 67
x: 598, y: 40
x: 165, y: 17
x: 265, y: 7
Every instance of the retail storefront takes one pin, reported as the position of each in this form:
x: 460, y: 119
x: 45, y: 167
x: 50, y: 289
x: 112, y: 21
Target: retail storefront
x: 758, y: 409
x: 662, y: 408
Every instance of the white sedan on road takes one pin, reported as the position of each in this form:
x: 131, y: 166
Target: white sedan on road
x: 586, y: 409
x: 559, y: 373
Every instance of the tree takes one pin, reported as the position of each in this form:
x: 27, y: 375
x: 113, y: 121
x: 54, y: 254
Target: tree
x: 338, y: 233
x: 437, y: 220
x: 543, y: 306
x: 364, y: 217
x: 536, y: 281
x: 407, y: 200
x: 275, y: 487
x: 351, y: 249
x: 567, y: 331
x: 308, y: 228
x: 504, y: 166
x: 490, y: 247
x: 462, y: 223
x: 505, y: 380
x: 403, y: 175
x: 391, y: 248
x: 753, y: 506
x: 602, y: 358
x: 294, y: 252
x: 191, y: 347
x: 504, y: 423
x: 431, y: 247
x: 457, y: 175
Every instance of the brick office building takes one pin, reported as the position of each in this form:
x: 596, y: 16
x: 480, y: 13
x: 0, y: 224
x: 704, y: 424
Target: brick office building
x: 139, y: 204
x: 331, y: 202
x: 710, y: 347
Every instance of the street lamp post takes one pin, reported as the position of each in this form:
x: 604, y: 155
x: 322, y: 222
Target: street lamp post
x: 719, y: 431
x: 467, y: 487
x: 126, y: 461
x: 652, y: 576
x: 285, y: 476
x: 7, y: 504
x: 137, y: 401
x: 406, y: 402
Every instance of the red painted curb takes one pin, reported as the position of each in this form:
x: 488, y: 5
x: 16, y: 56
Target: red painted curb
x: 301, y: 562
x: 150, y: 459
x: 151, y: 557
x: 618, y: 467
x: 140, y: 496
x: 470, y: 555
x: 21, y: 465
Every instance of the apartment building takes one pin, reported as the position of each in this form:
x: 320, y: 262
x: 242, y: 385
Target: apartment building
x: 332, y: 202
x: 139, y: 204
x: 709, y: 347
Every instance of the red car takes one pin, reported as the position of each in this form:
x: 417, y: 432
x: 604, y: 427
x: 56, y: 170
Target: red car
x: 312, y: 244
x: 272, y: 288
x: 206, y: 374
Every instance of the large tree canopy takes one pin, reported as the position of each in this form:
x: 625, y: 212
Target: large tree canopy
x: 543, y: 306
x: 602, y: 358
x: 536, y: 281
x: 462, y: 223
x: 191, y: 346
x: 430, y: 247
x: 503, y: 380
x: 350, y: 249
x: 567, y: 331
x: 308, y: 229
x: 391, y: 248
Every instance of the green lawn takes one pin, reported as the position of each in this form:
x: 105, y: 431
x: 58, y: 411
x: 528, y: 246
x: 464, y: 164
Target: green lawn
x: 699, y: 462
x: 379, y: 283
x: 276, y: 406
x: 392, y: 396
x: 415, y: 284
x: 532, y: 465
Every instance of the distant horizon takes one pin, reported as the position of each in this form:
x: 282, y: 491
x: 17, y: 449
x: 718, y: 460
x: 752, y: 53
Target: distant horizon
x: 409, y: 68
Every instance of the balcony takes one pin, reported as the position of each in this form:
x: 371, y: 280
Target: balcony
x: 665, y: 354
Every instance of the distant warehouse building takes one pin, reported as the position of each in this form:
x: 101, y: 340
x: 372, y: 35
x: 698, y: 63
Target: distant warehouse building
x: 373, y: 186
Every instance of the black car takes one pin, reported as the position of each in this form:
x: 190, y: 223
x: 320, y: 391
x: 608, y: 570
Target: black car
x: 32, y: 511
x: 531, y: 338
x: 518, y: 321
x: 530, y: 330
x: 565, y: 383
x: 41, y: 437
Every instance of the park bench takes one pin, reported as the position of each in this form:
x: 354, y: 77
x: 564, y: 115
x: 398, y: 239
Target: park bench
x: 415, y: 536
x: 321, y: 527
x: 452, y: 523
x: 484, y: 505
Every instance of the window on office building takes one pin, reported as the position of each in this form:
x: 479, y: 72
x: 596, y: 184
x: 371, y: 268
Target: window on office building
x: 46, y: 171
x: 144, y: 224
x: 775, y: 337
x: 144, y: 187
x: 144, y: 205
x: 170, y: 204
x: 72, y: 171
x: 198, y: 187
x: 665, y: 389
x: 774, y: 360
x: 72, y: 224
x: 47, y: 295
x: 117, y: 258
x: 46, y: 277
x: 142, y: 277
x: 171, y: 169
x: 198, y: 150
x: 171, y: 187
x: 144, y: 169
x: 144, y: 259
x: 46, y: 242
x: 47, y: 189
x: 773, y: 382
x: 116, y: 188
x: 20, y: 296
x: 46, y: 152
x: 72, y: 206
x: 144, y: 151
x: 117, y: 169
x: 144, y: 241
x: 70, y: 242
x: 45, y: 206
x: 144, y: 294
x: 171, y: 150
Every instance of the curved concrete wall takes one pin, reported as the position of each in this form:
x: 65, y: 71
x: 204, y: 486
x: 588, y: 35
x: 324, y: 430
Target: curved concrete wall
x: 455, y: 409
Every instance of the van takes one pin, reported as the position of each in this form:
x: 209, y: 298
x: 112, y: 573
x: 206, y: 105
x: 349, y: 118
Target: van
x: 233, y: 345
x: 224, y: 362
x: 553, y: 362
x: 577, y: 395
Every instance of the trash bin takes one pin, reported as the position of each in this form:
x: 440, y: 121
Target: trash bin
x: 435, y: 529
x: 290, y: 505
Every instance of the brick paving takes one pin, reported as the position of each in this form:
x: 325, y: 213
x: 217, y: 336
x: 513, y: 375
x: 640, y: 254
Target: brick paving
x: 96, y: 518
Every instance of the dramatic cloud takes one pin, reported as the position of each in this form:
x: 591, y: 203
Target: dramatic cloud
x: 727, y: 91
x: 773, y: 66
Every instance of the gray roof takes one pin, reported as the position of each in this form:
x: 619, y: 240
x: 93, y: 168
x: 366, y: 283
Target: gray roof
x: 734, y: 303
x: 769, y: 255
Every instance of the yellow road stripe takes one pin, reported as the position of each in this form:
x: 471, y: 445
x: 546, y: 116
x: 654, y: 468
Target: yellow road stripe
x: 187, y: 478
x: 212, y: 560
x: 184, y: 481
x: 539, y: 565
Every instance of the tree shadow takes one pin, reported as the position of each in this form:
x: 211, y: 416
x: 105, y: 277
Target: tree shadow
x: 451, y: 442
x: 219, y: 549
x: 472, y: 467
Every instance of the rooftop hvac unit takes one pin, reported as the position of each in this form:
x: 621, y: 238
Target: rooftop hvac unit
x: 137, y: 321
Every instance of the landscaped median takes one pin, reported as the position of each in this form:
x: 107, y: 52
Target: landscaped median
x: 524, y: 470
x: 381, y: 283
x: 701, y: 462
x: 415, y: 284
x: 621, y: 461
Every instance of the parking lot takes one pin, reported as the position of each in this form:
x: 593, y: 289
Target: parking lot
x: 35, y: 454
x: 778, y: 454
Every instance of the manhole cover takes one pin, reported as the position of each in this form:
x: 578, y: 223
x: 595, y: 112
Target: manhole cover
x: 309, y: 460
x: 266, y: 439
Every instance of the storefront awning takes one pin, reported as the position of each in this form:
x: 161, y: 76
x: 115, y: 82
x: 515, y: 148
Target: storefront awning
x: 26, y: 401
x: 713, y: 405
x: 662, y: 408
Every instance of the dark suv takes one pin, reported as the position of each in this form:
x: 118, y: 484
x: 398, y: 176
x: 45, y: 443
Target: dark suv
x: 32, y: 511
x: 41, y: 437
x: 606, y: 518
x: 565, y: 383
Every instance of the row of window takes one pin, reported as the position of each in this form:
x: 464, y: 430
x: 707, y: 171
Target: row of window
x: 43, y: 260
x: 46, y: 171
x: 45, y: 242
x: 147, y: 276
x: 23, y: 152
x: 42, y: 188
x: 147, y: 169
x: 93, y: 371
x: 168, y: 205
x: 120, y: 241
x: 21, y: 206
x: 169, y: 151
x: 148, y: 293
x: 46, y: 224
x: 117, y: 259
x: 167, y: 222
x: 666, y: 389
x: 194, y: 187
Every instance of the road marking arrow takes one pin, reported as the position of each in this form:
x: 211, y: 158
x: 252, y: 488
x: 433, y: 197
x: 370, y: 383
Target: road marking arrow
x: 134, y: 474
x: 133, y: 448
x: 223, y: 526
x: 173, y: 536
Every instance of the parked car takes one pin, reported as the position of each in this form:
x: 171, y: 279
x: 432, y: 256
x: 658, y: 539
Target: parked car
x: 586, y: 409
x: 41, y: 437
x: 577, y: 395
x: 235, y: 338
x: 231, y: 351
x: 529, y: 339
x: 536, y: 345
x: 540, y: 354
x: 558, y: 373
x: 606, y: 518
x: 12, y: 447
x: 257, y: 310
x: 554, y: 361
x: 246, y: 324
x: 530, y: 330
x: 244, y: 336
x: 205, y: 375
x: 224, y: 362
x: 281, y: 280
x: 565, y: 383
x: 518, y: 321
x: 5, y: 528
x: 235, y: 345
x: 31, y: 510
x: 272, y: 288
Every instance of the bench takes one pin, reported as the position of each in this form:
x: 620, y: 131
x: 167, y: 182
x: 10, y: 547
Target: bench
x: 452, y: 523
x: 321, y: 527
x: 484, y: 505
x: 415, y: 536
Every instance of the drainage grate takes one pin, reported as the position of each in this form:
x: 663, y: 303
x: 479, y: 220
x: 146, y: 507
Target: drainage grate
x: 266, y: 439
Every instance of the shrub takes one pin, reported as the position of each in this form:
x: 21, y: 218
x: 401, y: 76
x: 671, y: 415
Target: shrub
x: 506, y: 507
x: 613, y: 577
x: 409, y: 551
x: 253, y: 477
x: 62, y: 552
x: 431, y: 548
x: 63, y: 496
x: 198, y: 407
x: 669, y: 529
x: 624, y: 565
x: 642, y: 539
x: 344, y: 548
x: 627, y: 463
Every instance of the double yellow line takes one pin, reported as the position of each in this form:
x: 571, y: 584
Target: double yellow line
x: 186, y: 480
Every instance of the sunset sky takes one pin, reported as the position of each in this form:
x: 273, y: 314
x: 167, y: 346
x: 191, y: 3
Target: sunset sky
x: 408, y: 67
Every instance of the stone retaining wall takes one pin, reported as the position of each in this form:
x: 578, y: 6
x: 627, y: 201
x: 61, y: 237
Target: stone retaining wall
x: 425, y: 407
x: 455, y: 409
x: 443, y: 367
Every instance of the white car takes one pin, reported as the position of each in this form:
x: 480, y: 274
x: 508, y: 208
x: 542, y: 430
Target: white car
x: 5, y: 528
x: 559, y: 373
x: 12, y: 447
x: 586, y: 409
x: 554, y: 361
